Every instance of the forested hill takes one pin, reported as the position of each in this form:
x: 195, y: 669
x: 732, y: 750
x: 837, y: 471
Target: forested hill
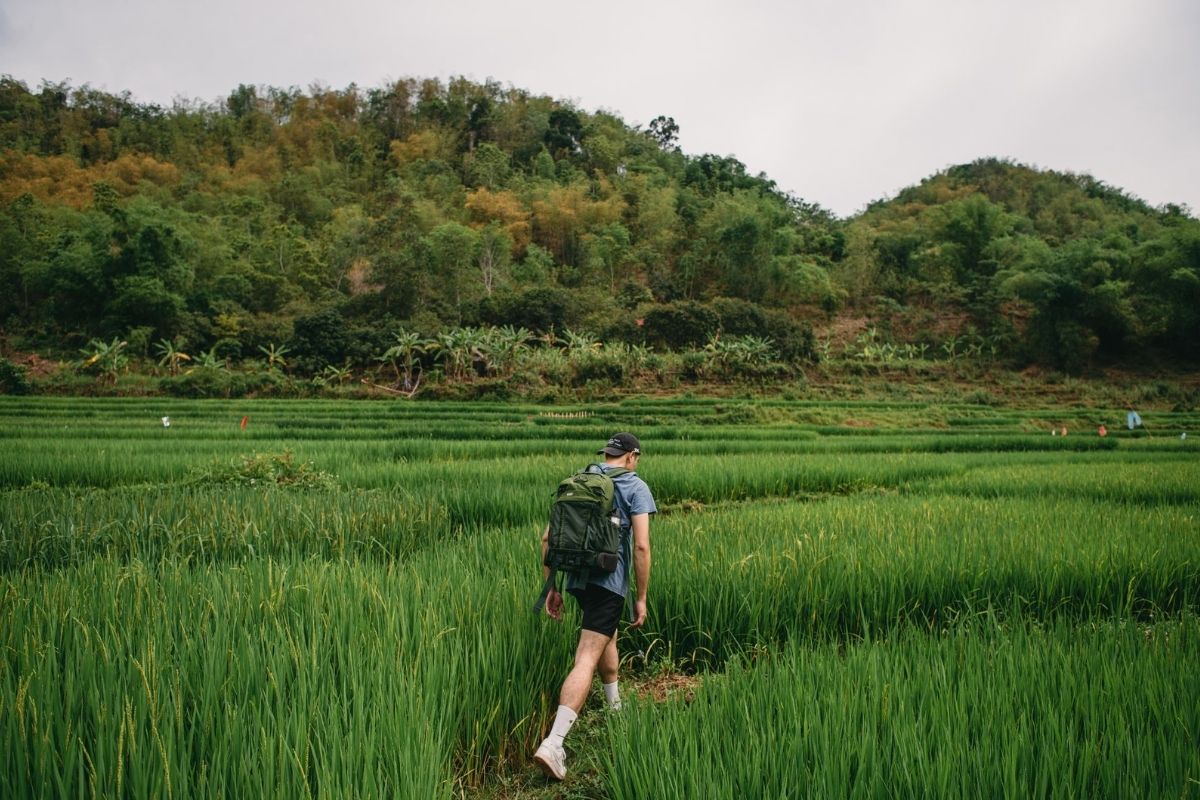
x: 331, y: 220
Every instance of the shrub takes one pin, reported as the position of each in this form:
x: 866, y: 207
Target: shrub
x: 539, y: 310
x: 597, y: 366
x: 263, y: 469
x: 208, y: 382
x: 692, y: 364
x: 13, y: 378
x: 548, y: 364
x: 623, y: 329
x: 679, y: 325
x: 793, y: 340
x: 227, y: 348
x: 321, y: 338
x: 200, y: 382
x: 481, y: 389
x: 739, y: 317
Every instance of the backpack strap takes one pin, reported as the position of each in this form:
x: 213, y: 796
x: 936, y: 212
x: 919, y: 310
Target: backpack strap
x: 546, y: 587
x: 615, y: 472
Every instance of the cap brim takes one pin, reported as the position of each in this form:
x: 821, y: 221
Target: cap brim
x: 611, y: 451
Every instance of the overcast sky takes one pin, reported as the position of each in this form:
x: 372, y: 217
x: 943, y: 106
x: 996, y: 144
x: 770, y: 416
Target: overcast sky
x: 840, y: 103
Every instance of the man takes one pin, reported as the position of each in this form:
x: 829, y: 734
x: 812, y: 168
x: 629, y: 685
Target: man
x: 601, y: 598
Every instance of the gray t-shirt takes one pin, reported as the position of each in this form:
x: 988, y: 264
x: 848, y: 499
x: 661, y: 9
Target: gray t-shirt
x: 631, y: 496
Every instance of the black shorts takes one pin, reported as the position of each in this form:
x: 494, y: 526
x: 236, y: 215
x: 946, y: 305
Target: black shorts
x: 601, y: 608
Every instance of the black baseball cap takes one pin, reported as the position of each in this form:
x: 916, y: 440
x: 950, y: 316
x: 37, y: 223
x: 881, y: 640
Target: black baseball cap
x: 620, y: 444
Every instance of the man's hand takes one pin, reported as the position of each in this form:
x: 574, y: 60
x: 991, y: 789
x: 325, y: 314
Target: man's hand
x: 639, y: 613
x: 554, y: 605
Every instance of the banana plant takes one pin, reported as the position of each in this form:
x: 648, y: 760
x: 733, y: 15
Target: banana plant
x: 338, y: 375
x: 275, y: 355
x: 106, y: 357
x: 734, y: 353
x: 950, y: 347
x: 404, y: 357
x: 505, y: 345
x: 641, y: 357
x: 581, y: 342
x: 210, y: 360
x: 172, y: 356
x: 459, y: 348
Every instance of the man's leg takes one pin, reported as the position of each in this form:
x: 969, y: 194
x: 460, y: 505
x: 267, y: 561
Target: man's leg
x: 594, y: 649
x: 550, y: 755
x: 601, y: 612
x: 610, y: 665
x: 610, y: 661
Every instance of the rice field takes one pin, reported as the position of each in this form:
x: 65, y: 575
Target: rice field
x: 332, y: 600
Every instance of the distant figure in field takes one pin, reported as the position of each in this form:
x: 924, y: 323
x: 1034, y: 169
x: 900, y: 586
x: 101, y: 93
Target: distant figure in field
x: 1103, y: 431
x: 602, y: 597
x: 1132, y: 418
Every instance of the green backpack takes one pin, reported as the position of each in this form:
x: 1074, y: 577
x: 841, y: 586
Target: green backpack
x: 584, y: 532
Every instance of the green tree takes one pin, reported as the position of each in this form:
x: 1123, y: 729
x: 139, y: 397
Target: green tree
x: 608, y: 250
x: 493, y: 256
x: 1079, y: 310
x: 318, y: 339
x: 487, y: 165
x: 1164, y: 277
x: 564, y: 132
x: 453, y: 253
x: 665, y: 132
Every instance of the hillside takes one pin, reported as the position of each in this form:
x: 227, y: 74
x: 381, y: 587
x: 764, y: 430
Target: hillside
x: 1048, y: 267
x: 331, y: 223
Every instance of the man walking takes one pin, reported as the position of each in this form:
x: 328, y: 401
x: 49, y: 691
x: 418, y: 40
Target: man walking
x: 601, y: 598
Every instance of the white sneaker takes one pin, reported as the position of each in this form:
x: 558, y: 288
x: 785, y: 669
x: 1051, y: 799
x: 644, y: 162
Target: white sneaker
x: 552, y: 759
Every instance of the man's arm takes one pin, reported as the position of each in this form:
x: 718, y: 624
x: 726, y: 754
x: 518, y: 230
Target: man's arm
x: 554, y: 600
x: 641, y: 566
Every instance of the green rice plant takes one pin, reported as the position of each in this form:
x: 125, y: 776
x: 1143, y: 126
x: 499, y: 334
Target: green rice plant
x: 1010, y: 710
x: 55, y: 528
x: 166, y: 638
x: 846, y: 568
x: 265, y: 681
x: 1164, y: 481
x: 273, y: 678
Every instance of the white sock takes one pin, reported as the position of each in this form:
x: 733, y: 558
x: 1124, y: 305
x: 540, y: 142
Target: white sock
x: 563, y: 721
x: 614, y: 696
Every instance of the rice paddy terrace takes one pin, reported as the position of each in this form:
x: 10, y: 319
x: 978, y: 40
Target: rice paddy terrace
x: 332, y: 599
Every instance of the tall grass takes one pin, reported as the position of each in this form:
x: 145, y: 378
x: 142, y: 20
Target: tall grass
x: 849, y: 567
x: 266, y: 681
x: 166, y: 635
x: 982, y: 709
x: 269, y: 678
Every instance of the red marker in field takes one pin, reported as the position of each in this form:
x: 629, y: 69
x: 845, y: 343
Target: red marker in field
x: 244, y: 421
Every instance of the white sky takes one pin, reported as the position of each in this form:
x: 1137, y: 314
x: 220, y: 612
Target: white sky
x: 841, y: 103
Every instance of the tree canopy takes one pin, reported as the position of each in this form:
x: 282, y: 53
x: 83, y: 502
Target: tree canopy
x: 315, y: 217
